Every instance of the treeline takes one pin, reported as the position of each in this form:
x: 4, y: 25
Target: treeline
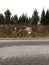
x: 24, y: 20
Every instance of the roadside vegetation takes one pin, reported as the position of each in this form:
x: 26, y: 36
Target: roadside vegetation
x: 14, y: 26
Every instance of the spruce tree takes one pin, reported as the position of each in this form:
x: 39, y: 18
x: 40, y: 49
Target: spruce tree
x: 1, y: 19
x: 35, y: 17
x: 7, y: 16
x: 43, y: 22
x: 47, y: 17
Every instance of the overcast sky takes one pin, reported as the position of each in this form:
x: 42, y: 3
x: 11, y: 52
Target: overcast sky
x: 23, y: 6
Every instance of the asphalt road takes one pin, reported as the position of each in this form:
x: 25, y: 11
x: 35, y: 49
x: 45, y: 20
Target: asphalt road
x: 6, y: 43
x: 33, y: 52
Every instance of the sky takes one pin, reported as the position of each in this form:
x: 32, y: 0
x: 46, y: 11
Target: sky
x: 23, y: 6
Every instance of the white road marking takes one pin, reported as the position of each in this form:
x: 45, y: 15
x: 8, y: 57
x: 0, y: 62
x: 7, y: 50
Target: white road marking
x: 24, y: 40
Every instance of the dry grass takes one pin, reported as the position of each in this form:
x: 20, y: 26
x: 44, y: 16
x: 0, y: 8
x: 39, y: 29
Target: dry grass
x: 6, y: 31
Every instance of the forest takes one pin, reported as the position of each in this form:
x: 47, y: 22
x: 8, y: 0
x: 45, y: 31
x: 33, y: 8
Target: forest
x: 14, y: 26
x: 24, y: 19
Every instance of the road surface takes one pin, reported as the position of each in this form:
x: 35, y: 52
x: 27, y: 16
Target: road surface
x: 38, y: 50
x: 6, y: 43
x: 23, y: 47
